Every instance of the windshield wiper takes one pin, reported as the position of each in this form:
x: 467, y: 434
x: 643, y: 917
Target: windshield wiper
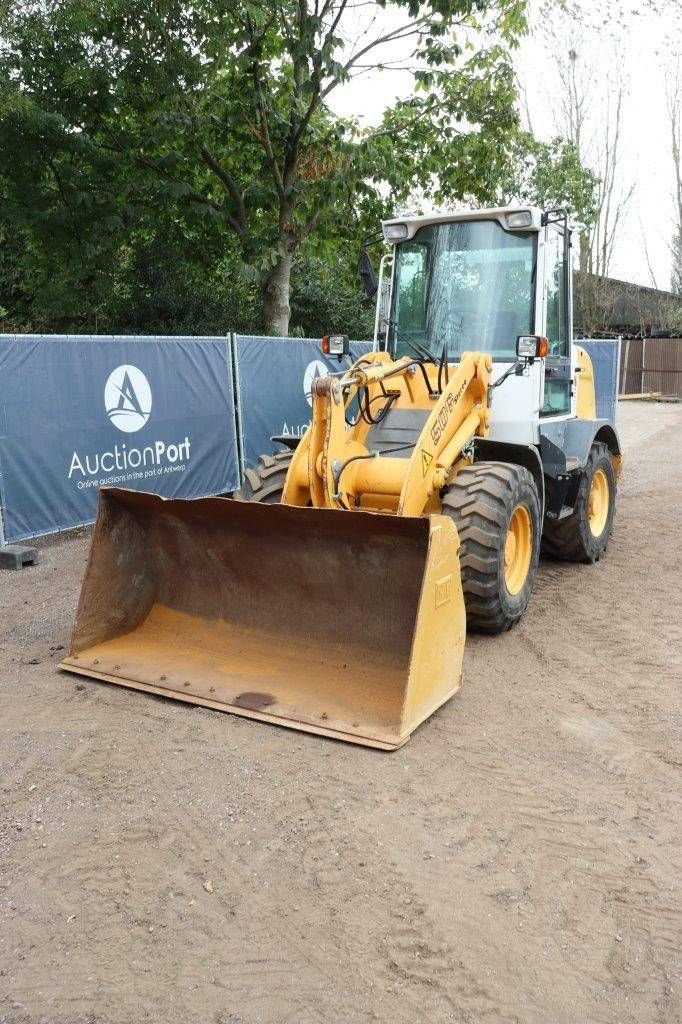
x: 423, y: 356
x: 443, y: 364
x: 421, y: 350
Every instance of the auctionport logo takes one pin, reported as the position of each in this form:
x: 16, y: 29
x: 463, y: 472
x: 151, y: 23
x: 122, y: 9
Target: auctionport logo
x: 312, y: 371
x: 128, y: 402
x: 128, y: 398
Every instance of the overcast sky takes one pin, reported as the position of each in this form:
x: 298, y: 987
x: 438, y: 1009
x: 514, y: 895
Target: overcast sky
x: 646, y: 34
x: 643, y: 46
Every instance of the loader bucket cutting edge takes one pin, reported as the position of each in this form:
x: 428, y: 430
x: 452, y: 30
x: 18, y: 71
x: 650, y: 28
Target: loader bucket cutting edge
x: 347, y: 624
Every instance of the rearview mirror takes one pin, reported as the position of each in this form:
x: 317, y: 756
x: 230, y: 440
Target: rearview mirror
x: 367, y: 275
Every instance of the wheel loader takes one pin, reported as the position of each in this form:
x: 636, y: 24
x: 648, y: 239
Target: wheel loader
x: 333, y: 593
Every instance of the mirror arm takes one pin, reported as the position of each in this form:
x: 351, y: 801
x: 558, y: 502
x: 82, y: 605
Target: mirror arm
x: 517, y: 367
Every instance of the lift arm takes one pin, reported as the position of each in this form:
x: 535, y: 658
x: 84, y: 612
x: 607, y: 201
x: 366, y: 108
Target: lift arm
x: 334, y: 468
x: 460, y: 414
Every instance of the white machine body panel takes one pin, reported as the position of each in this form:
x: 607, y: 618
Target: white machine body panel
x: 515, y: 405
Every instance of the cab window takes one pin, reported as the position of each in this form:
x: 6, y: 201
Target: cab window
x: 557, y: 385
x: 556, y: 284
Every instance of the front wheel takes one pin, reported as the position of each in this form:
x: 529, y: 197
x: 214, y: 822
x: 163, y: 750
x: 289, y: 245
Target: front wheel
x: 496, y: 509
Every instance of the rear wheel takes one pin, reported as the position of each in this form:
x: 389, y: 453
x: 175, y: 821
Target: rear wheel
x: 496, y: 509
x: 265, y: 482
x: 584, y: 535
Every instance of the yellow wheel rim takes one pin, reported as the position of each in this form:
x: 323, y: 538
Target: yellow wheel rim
x: 518, y: 549
x: 598, y: 503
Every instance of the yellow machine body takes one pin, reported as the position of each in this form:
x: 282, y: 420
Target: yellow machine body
x: 586, y: 397
x: 350, y: 625
x: 333, y: 467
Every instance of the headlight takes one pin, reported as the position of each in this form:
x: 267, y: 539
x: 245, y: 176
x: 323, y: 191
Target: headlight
x: 531, y: 346
x: 519, y: 219
x: 335, y: 345
x: 395, y: 232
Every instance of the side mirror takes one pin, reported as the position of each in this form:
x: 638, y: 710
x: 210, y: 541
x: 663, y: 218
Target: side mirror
x: 367, y: 275
x: 336, y: 345
x: 531, y: 346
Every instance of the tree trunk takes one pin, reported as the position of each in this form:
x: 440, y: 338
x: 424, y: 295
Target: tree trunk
x: 276, y: 290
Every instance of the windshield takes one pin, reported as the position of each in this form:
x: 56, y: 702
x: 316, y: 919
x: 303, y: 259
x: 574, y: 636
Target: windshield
x: 468, y: 285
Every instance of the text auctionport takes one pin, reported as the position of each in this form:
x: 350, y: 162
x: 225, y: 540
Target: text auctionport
x: 122, y: 457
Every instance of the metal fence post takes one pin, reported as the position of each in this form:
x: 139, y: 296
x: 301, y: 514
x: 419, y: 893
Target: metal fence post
x: 624, y: 375
x: 236, y: 396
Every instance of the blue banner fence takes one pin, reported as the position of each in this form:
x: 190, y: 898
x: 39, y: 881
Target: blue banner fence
x: 179, y: 416
x: 81, y: 412
x: 274, y: 379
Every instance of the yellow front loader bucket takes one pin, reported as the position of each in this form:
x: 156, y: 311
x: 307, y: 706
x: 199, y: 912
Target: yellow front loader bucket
x: 348, y: 624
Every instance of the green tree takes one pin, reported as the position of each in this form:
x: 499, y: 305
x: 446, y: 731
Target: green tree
x: 327, y: 298
x: 215, y: 117
x: 550, y: 174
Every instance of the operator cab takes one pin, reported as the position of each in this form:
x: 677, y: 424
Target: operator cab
x: 477, y: 281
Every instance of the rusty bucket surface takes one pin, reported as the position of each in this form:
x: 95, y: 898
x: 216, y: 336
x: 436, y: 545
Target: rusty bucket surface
x: 348, y: 624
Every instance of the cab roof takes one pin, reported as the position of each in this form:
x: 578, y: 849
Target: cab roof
x: 499, y: 213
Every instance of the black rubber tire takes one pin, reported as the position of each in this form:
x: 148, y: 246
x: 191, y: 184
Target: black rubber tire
x: 481, y: 501
x: 266, y: 482
x: 570, y: 539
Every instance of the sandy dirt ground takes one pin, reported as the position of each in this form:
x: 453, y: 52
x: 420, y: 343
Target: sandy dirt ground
x: 518, y: 860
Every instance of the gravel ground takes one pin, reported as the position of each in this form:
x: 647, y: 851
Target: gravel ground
x: 517, y: 861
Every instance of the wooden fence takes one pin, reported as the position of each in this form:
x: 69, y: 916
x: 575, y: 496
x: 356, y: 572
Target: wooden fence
x: 651, y: 364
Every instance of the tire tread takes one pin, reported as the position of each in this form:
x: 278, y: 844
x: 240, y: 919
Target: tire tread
x: 479, y: 503
x: 265, y: 482
x: 568, y: 540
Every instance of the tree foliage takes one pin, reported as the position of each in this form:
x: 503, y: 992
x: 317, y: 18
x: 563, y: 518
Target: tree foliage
x: 166, y: 165
x: 215, y: 117
x: 551, y: 175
